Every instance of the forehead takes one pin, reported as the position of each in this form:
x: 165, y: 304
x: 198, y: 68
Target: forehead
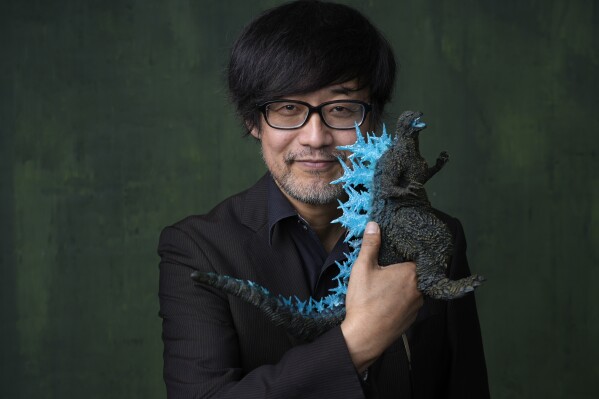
x: 350, y: 89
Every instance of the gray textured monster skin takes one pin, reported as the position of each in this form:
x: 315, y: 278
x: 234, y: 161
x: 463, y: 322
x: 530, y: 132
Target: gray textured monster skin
x: 410, y: 230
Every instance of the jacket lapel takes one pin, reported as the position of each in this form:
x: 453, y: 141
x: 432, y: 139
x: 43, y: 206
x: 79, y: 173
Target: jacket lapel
x: 277, y: 264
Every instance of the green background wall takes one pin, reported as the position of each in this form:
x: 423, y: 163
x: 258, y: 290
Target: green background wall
x: 114, y: 122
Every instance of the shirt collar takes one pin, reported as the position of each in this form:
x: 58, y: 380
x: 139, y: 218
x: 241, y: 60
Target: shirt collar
x: 278, y: 207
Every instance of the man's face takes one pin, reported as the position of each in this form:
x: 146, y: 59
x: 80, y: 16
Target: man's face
x: 304, y: 161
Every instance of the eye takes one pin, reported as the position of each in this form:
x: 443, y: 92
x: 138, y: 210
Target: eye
x: 285, y: 108
x: 343, y: 110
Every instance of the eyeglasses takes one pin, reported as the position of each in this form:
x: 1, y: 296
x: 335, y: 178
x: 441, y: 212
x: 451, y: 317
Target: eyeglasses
x: 291, y: 114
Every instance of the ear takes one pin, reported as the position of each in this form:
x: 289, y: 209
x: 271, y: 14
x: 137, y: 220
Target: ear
x: 254, y: 131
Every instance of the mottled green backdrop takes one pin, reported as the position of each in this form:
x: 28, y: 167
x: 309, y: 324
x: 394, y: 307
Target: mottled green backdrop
x: 114, y: 122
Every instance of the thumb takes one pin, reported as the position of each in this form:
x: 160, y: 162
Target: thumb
x: 371, y: 241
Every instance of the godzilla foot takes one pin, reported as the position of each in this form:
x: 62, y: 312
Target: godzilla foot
x: 452, y: 289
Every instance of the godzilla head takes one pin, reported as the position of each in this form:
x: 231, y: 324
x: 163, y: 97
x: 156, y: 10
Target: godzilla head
x: 409, y: 124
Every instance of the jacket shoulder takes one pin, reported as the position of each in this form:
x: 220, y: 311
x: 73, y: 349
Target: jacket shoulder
x: 236, y: 215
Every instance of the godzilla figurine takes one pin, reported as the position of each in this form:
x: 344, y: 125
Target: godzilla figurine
x: 384, y: 183
x: 409, y: 228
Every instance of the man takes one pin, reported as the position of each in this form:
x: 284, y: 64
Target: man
x: 300, y: 76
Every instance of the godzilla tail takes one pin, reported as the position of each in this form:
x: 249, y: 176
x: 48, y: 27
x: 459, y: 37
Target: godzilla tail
x: 305, y: 320
x: 446, y: 289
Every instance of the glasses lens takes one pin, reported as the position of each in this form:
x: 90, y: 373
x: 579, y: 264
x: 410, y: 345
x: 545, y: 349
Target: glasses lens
x: 286, y: 115
x: 343, y: 115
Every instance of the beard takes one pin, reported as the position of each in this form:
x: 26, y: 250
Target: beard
x: 316, y: 190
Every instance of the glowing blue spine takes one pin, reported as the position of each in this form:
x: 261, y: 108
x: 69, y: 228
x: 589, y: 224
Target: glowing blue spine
x: 356, y: 181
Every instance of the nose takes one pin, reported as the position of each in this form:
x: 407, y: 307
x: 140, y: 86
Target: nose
x: 315, y: 133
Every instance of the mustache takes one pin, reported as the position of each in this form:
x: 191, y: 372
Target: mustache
x: 325, y: 155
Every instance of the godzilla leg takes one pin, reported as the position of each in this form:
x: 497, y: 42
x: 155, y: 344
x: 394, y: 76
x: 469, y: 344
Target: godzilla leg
x: 430, y: 267
x: 388, y: 254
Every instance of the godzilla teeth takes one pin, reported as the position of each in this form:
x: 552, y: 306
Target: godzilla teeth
x: 418, y: 124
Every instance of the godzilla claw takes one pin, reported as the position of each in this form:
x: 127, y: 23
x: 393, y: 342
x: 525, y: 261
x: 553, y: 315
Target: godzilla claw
x: 414, y: 188
x: 442, y: 159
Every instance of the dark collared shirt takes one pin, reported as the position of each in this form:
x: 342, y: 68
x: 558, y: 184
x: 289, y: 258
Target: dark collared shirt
x: 319, y: 266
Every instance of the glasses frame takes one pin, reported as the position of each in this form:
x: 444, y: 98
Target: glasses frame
x: 318, y: 109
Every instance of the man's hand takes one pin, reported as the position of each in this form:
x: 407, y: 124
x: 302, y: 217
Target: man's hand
x: 381, y: 302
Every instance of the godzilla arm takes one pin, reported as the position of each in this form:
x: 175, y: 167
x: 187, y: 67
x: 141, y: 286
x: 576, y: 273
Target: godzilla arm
x: 439, y: 164
x: 410, y: 189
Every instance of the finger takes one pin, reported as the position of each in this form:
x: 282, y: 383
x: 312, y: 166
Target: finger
x: 371, y: 241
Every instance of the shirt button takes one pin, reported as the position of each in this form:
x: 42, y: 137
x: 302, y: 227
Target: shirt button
x: 301, y: 223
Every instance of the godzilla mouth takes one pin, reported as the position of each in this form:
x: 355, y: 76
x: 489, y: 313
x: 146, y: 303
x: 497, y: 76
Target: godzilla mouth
x: 418, y: 124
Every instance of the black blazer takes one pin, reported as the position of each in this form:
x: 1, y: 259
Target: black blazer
x: 216, y: 345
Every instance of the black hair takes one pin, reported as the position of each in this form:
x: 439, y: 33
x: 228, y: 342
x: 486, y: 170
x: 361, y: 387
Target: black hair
x: 303, y: 46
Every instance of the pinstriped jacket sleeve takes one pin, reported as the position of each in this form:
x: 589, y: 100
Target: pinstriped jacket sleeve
x: 202, y: 354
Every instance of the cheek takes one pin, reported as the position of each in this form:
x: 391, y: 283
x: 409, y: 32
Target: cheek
x: 272, y: 147
x: 274, y: 152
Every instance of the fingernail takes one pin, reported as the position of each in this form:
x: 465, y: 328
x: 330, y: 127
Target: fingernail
x: 371, y: 228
